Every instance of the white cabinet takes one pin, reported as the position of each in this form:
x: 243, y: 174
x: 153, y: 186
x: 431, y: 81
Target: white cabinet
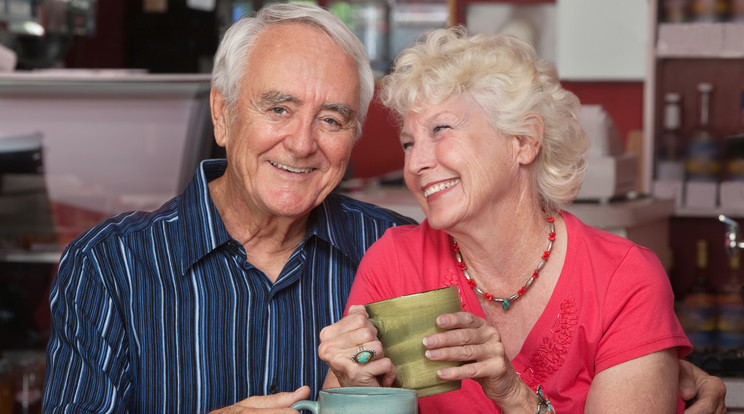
x: 601, y: 40
x: 113, y: 141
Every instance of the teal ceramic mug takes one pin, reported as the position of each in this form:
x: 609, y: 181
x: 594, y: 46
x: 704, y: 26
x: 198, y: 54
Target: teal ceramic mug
x: 402, y: 323
x: 362, y: 400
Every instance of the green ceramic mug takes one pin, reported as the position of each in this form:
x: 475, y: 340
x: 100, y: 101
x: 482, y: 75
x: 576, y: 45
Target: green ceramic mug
x: 402, y: 323
x: 362, y: 400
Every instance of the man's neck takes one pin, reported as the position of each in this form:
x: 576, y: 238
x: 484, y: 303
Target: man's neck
x: 268, y: 240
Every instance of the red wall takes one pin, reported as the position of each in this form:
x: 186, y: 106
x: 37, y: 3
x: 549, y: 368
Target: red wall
x: 378, y: 151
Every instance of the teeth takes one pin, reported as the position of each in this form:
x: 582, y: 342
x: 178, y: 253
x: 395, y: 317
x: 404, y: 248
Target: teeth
x: 290, y: 169
x: 439, y: 187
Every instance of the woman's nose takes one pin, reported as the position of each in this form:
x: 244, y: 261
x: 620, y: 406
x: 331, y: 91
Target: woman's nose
x: 420, y: 158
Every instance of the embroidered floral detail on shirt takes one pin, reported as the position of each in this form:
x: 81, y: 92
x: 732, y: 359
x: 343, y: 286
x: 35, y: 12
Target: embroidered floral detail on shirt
x: 451, y: 278
x: 551, y: 353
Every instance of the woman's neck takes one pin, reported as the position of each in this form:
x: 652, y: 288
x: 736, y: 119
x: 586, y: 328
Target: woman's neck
x: 506, y: 246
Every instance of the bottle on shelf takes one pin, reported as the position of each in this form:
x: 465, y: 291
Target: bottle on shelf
x: 676, y: 11
x: 741, y: 110
x: 697, y: 310
x: 731, y: 308
x: 703, y: 154
x: 737, y: 11
x: 669, y: 158
x: 735, y: 148
x: 710, y: 11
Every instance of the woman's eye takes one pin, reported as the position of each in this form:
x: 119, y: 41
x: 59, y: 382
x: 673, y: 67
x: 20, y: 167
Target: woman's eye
x: 440, y: 127
x: 406, y: 145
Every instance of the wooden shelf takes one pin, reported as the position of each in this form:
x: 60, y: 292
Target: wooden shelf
x: 700, y: 40
x: 29, y: 257
x: 708, y: 212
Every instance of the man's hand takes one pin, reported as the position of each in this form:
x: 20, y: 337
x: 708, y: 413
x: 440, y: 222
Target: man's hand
x: 707, y: 392
x: 268, y: 404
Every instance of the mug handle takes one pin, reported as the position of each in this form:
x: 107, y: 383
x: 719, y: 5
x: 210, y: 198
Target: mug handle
x: 307, y: 405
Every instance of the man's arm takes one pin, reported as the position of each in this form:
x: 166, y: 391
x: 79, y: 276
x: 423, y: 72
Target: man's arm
x: 646, y: 384
x: 87, y: 368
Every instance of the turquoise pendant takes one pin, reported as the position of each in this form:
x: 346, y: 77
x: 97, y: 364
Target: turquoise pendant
x: 505, y: 304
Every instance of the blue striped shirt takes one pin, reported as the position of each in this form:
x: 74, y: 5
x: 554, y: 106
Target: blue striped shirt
x: 156, y: 312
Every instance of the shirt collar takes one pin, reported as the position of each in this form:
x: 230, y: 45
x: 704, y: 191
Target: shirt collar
x: 330, y: 223
x: 201, y: 229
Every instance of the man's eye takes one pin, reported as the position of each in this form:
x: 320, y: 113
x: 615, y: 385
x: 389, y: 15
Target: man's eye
x: 406, y: 145
x: 278, y: 110
x: 331, y: 121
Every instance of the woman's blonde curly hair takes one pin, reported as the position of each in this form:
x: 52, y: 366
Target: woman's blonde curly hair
x: 505, y: 77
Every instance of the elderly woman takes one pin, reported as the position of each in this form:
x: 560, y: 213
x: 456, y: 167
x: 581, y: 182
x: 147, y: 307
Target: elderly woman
x: 493, y: 153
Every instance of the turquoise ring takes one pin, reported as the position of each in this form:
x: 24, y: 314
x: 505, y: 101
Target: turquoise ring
x: 363, y: 355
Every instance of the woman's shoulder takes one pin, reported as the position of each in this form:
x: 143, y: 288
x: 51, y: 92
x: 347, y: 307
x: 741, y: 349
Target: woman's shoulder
x: 584, y: 239
x: 605, y: 256
x: 406, y: 259
x: 414, y: 236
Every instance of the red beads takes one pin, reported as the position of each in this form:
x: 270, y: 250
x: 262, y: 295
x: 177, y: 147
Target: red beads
x: 506, y: 301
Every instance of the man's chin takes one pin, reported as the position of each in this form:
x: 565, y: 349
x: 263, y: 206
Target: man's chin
x: 294, y: 207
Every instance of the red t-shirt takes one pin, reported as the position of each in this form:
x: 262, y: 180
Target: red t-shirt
x: 612, y: 303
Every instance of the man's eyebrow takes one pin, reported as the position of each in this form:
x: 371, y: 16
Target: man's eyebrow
x: 344, y: 110
x: 275, y: 97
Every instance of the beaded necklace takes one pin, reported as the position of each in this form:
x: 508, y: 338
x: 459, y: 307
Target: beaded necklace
x: 507, y: 301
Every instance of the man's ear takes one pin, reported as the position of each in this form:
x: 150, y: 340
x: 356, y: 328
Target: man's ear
x: 220, y: 117
x: 530, y: 144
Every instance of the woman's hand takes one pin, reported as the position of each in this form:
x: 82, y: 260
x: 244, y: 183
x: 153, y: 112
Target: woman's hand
x: 342, y: 340
x: 474, y: 341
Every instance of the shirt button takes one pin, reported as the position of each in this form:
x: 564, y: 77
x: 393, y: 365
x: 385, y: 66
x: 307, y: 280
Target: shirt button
x: 274, y: 388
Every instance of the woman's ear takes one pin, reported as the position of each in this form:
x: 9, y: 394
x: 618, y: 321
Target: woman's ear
x: 220, y: 117
x: 529, y: 145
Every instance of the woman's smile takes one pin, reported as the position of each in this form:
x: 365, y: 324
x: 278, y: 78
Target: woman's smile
x: 435, y: 188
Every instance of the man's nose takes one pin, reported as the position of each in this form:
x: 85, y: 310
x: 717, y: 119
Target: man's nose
x: 301, y: 140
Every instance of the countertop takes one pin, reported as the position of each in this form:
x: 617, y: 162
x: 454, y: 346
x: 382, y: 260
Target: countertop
x: 734, y: 393
x: 606, y: 216
x: 83, y: 82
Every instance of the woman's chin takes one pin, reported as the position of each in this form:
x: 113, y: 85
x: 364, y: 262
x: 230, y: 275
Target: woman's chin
x: 440, y: 220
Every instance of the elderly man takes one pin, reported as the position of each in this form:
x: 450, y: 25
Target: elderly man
x: 221, y: 293
x: 216, y: 300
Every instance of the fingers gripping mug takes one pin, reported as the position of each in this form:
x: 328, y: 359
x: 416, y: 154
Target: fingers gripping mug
x: 402, y: 323
x: 361, y: 400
